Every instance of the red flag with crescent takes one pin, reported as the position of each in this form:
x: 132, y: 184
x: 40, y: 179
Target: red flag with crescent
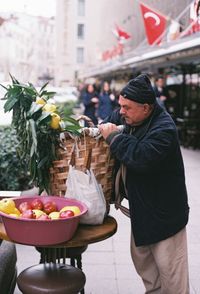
x: 155, y: 24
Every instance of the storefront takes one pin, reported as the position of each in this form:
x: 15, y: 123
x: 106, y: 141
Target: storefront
x: 179, y: 63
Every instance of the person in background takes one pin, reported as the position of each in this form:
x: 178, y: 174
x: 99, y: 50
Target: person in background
x: 90, y: 102
x: 107, y: 102
x: 160, y: 91
x: 150, y: 173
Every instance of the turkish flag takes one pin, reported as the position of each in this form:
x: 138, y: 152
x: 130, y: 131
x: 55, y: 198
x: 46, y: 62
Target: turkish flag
x: 122, y: 36
x: 194, y: 17
x: 155, y: 24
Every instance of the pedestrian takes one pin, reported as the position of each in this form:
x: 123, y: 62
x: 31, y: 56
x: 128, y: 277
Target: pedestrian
x: 90, y: 102
x: 107, y: 102
x: 150, y: 172
x: 161, y: 91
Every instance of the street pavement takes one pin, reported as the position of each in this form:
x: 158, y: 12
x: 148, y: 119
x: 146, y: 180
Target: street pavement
x: 107, y: 264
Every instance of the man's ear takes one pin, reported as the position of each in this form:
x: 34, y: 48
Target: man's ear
x: 146, y: 108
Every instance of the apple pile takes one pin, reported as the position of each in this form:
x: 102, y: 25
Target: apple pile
x: 38, y: 210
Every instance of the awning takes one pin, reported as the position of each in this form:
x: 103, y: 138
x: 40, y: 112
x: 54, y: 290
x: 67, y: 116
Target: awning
x: 186, y: 49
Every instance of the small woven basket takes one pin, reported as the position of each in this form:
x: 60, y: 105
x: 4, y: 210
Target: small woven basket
x: 85, y: 152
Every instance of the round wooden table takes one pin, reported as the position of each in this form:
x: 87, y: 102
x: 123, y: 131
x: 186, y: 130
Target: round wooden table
x: 85, y: 234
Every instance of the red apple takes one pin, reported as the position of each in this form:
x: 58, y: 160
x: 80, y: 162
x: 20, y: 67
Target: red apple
x: 44, y: 217
x: 66, y: 214
x: 24, y: 206
x: 49, y: 207
x: 37, y: 204
x: 28, y: 214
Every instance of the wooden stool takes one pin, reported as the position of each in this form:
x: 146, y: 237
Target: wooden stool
x: 51, y: 278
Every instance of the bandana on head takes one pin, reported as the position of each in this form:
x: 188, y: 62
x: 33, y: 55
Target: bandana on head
x: 139, y: 90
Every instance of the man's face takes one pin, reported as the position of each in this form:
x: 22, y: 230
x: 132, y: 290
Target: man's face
x: 134, y: 113
x: 160, y: 83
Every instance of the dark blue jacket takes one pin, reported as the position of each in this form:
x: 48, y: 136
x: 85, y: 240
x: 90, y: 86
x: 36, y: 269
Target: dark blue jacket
x: 106, y: 105
x: 155, y: 176
x: 90, y: 109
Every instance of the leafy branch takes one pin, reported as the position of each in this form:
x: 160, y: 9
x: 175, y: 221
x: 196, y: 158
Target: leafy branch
x: 38, y: 127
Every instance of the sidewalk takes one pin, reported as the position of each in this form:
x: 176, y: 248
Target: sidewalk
x: 107, y: 264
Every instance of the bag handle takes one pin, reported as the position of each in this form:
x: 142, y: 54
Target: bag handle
x: 121, y: 174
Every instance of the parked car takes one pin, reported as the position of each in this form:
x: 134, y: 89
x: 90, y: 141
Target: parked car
x: 64, y: 94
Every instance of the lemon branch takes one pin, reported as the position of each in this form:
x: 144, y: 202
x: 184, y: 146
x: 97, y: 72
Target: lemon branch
x: 38, y: 126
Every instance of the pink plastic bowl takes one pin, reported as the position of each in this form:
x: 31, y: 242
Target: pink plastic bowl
x: 43, y: 232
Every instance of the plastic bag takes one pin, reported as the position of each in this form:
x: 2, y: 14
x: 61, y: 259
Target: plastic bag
x: 84, y: 187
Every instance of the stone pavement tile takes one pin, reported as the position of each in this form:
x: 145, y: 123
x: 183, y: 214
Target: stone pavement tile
x: 123, y: 258
x: 106, y: 245
x: 100, y: 271
x: 124, y: 271
x: 194, y: 273
x: 27, y: 256
x: 195, y: 287
x: 130, y: 286
x: 105, y: 286
x: 100, y: 279
x: 96, y: 258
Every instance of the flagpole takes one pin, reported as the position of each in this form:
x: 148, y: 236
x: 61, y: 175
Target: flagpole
x: 176, y: 19
x: 167, y: 17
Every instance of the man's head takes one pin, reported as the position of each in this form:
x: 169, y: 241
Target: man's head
x: 159, y: 81
x: 136, y: 100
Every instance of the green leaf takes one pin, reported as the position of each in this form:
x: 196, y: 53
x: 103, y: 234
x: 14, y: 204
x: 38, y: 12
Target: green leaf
x: 73, y: 121
x: 33, y: 132
x: 47, y: 94
x: 43, y: 161
x: 42, y: 88
x: 34, y: 108
x: 44, y: 118
x: 8, y: 106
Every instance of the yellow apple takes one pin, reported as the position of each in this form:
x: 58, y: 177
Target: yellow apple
x: 54, y: 215
x: 38, y: 212
x: 75, y: 209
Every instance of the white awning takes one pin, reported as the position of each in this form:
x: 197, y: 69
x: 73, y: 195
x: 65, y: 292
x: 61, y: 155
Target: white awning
x: 148, y: 54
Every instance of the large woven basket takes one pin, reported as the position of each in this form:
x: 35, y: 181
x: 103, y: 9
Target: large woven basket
x: 79, y: 150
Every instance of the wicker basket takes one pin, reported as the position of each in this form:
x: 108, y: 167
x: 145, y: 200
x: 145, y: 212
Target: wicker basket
x: 84, y: 152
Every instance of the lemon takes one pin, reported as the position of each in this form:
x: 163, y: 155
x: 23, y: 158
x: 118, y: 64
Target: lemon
x: 49, y: 107
x: 40, y: 100
x: 16, y: 211
x: 14, y: 214
x: 55, y: 121
x: 75, y: 209
x: 7, y: 205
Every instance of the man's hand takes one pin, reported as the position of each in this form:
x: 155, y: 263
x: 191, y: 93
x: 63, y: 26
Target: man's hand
x: 107, y: 129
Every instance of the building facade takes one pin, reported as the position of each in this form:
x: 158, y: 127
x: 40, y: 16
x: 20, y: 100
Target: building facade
x: 27, y: 48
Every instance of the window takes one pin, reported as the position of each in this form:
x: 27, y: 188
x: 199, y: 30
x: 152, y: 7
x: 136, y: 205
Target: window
x: 81, y: 7
x: 80, y: 55
x: 80, y: 31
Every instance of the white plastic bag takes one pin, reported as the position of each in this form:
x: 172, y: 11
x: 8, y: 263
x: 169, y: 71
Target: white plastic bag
x: 83, y: 186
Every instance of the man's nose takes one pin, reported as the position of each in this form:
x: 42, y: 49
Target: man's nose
x: 121, y: 111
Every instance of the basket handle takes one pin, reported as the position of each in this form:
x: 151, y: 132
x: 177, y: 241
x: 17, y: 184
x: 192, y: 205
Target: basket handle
x: 88, y: 159
x: 72, y: 161
x: 87, y: 119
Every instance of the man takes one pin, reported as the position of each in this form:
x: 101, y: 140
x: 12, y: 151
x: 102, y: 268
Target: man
x: 160, y: 91
x: 149, y: 151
